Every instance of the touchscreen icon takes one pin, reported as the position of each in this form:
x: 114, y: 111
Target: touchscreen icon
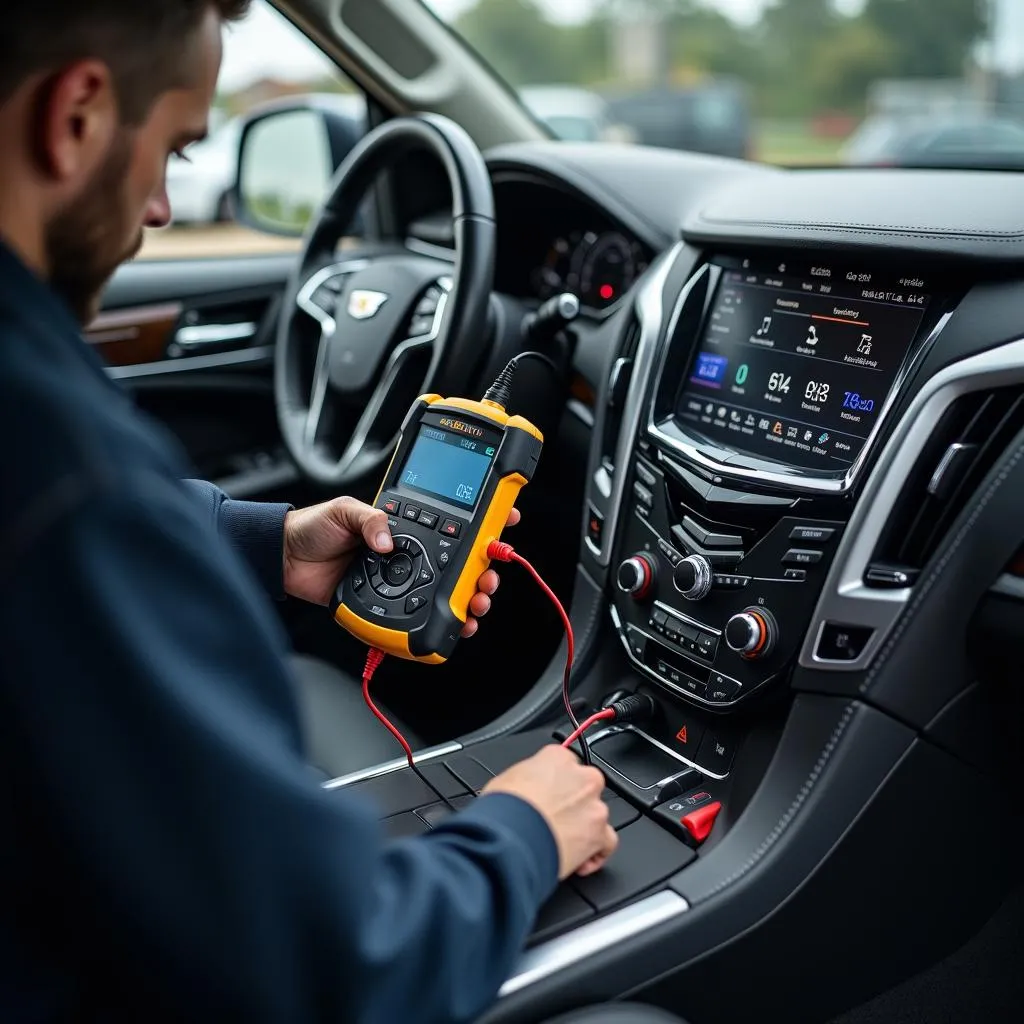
x: 823, y: 438
x: 735, y: 416
x: 763, y: 425
x: 777, y: 429
x: 864, y: 346
x: 808, y: 434
x: 709, y: 408
x: 721, y: 412
x: 750, y: 421
x: 792, y: 432
x: 812, y: 335
x: 766, y: 325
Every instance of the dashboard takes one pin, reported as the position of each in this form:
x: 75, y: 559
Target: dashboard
x: 763, y: 491
x: 551, y: 240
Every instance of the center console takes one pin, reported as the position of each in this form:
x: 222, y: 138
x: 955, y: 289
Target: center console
x: 763, y: 410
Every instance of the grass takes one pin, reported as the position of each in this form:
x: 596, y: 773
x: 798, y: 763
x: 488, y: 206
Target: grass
x: 793, y: 143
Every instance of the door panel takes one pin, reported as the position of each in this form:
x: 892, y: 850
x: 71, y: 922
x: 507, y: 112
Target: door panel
x: 193, y: 341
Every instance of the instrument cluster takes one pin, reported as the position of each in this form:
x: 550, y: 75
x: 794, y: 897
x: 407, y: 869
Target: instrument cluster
x: 597, y: 267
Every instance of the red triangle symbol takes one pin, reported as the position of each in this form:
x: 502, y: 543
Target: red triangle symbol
x: 681, y: 735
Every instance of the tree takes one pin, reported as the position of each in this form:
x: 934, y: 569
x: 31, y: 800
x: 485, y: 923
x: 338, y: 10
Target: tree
x: 929, y: 38
x: 517, y: 39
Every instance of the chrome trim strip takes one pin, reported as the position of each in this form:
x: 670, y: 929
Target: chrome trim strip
x: 611, y: 730
x: 676, y: 614
x: 389, y: 767
x: 304, y: 300
x: 594, y: 937
x: 763, y: 474
x: 845, y: 599
x: 650, y: 316
x: 262, y: 353
x: 214, y: 334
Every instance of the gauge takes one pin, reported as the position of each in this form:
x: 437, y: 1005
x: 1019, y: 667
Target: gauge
x: 552, y: 275
x: 607, y: 271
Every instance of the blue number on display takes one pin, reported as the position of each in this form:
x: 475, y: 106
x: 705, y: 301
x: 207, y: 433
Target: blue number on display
x: 437, y: 435
x: 464, y: 492
x: 854, y: 401
x: 471, y: 445
x: 411, y: 477
x: 710, y: 368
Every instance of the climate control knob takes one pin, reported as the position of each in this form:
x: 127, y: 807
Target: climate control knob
x: 692, y: 577
x: 752, y: 633
x: 636, y: 576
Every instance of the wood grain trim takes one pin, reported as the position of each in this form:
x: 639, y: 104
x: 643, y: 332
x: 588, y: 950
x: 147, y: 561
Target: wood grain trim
x: 130, y: 337
x: 580, y: 389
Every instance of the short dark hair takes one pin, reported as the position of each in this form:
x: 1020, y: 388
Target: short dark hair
x: 143, y: 42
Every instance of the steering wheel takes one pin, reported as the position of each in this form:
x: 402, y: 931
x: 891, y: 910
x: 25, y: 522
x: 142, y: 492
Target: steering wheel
x: 360, y: 337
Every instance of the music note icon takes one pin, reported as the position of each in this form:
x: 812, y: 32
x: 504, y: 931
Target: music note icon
x: 766, y: 324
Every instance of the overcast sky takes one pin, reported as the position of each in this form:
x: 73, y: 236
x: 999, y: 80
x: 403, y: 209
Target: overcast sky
x: 265, y: 45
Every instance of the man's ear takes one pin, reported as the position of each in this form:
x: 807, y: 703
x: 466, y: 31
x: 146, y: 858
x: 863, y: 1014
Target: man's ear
x: 77, y: 121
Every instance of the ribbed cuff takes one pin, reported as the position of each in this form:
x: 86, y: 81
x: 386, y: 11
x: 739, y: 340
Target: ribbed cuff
x: 256, y: 528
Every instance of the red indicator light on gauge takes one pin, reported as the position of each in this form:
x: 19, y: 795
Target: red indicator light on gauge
x: 606, y: 291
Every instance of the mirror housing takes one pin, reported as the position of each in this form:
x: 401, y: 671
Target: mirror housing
x: 288, y: 152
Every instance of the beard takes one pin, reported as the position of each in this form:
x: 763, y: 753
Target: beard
x: 86, y: 243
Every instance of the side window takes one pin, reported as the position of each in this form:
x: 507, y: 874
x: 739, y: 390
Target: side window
x: 266, y: 59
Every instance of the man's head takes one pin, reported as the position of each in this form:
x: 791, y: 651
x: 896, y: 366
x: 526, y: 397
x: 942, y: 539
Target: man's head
x: 94, y: 98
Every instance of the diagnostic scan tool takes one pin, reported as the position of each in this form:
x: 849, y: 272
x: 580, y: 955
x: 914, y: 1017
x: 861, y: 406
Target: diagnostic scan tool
x: 451, y: 485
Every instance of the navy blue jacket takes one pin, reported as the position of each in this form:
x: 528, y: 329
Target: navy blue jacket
x: 166, y: 853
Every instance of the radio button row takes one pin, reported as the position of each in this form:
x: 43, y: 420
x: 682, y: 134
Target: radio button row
x: 669, y: 552
x: 724, y: 582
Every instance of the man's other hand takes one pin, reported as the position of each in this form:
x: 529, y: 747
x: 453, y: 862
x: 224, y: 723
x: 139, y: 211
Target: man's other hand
x: 568, y: 796
x: 319, y: 543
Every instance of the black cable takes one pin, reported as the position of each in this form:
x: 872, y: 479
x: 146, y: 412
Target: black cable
x: 500, y: 392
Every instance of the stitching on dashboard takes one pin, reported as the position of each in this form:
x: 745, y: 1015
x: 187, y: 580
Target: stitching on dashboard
x: 940, y: 567
x: 801, y: 798
x: 905, y: 233
x: 921, y: 229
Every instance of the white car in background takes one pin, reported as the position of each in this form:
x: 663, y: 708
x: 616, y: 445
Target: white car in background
x: 199, y: 184
x: 573, y: 114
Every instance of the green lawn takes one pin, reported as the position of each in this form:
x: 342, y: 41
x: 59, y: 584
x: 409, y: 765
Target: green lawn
x: 794, y: 143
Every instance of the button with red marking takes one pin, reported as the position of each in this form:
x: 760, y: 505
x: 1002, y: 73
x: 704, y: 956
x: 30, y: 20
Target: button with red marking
x: 691, y: 816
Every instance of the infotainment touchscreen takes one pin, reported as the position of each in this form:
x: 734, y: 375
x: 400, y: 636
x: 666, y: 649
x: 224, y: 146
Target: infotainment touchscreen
x: 795, y: 362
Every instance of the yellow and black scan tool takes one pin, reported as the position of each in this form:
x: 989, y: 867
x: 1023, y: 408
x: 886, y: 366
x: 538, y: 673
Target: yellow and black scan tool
x: 453, y: 480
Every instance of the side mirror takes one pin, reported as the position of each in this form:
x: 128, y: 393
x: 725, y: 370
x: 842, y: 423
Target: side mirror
x: 288, y: 154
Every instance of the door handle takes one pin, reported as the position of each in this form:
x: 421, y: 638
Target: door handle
x: 192, y: 338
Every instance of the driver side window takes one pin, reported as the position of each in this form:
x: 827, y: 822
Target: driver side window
x: 266, y: 61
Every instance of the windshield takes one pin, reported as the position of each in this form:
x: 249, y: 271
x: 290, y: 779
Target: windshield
x: 913, y: 83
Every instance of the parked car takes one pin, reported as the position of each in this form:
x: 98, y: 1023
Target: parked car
x: 199, y: 183
x: 886, y: 141
x: 574, y: 114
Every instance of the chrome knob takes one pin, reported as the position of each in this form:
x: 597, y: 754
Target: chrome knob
x: 751, y: 633
x: 692, y: 577
x: 636, y: 576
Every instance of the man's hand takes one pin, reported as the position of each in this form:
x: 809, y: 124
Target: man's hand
x: 568, y: 796
x: 319, y: 543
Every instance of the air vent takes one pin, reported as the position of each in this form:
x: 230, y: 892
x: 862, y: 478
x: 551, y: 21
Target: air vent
x: 974, y: 433
x: 620, y: 377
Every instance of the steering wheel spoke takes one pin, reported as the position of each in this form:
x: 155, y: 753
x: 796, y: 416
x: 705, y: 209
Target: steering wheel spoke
x: 392, y: 323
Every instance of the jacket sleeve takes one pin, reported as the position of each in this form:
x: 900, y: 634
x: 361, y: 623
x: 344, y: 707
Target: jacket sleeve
x: 256, y: 528
x: 197, y: 866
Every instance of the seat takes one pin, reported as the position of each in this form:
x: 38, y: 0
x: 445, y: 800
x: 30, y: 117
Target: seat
x: 340, y: 733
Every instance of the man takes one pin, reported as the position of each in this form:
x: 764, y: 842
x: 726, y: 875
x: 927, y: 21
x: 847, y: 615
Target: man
x: 167, y: 853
